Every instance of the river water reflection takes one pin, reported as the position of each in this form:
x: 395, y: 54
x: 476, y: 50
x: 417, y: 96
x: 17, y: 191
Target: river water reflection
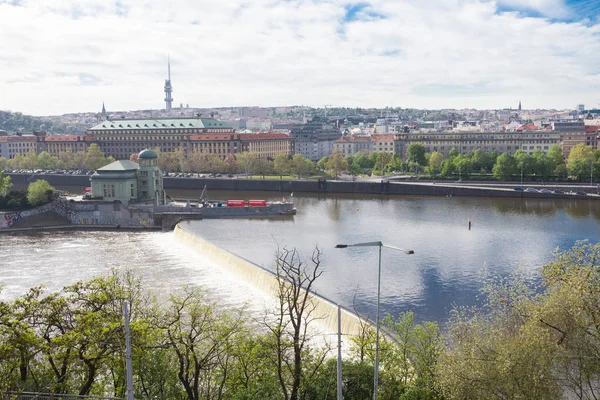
x: 446, y: 268
x: 444, y: 271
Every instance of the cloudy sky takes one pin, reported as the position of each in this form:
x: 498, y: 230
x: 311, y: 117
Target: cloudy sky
x: 60, y: 56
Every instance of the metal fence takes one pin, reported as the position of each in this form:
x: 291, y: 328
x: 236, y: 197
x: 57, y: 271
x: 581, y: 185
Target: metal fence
x: 50, y: 396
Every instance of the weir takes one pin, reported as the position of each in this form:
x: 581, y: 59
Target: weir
x: 266, y: 281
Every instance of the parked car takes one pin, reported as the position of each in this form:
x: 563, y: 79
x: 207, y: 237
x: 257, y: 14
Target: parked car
x: 581, y: 193
x: 558, y: 191
x: 531, y: 190
x: 520, y: 189
x: 544, y: 190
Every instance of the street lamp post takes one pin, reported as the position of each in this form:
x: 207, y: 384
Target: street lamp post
x: 380, y: 245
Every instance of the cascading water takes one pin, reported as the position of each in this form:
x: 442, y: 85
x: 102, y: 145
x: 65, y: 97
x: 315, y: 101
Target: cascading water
x: 325, y: 311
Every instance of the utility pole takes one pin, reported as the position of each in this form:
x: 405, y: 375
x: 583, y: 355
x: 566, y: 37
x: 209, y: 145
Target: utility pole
x: 592, y: 172
x: 129, y: 376
x: 339, y: 359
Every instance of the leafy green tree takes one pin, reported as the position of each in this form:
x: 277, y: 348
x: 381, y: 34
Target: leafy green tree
x: 18, y: 161
x: 79, y: 158
x: 247, y: 162
x: 396, y: 164
x: 46, y: 161
x: 453, y: 153
x: 481, y: 160
x: 264, y: 167
x: 322, y: 163
x: 282, y: 164
x: 30, y: 160
x: 462, y: 164
x: 39, y: 192
x: 363, y: 161
x: 448, y: 167
x: 382, y: 161
x: 556, y: 155
x: 581, y: 161
x: 543, y: 166
x: 506, y: 167
x: 435, y: 162
x: 524, y: 344
x: 416, y: 153
x: 5, y: 183
x: 94, y: 157
x: 525, y: 163
x: 299, y: 166
x: 336, y: 164
x: 354, y: 169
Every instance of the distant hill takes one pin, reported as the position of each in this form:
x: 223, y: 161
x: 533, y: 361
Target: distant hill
x: 15, y: 121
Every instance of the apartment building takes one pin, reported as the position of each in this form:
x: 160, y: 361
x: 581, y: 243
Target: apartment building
x: 351, y: 145
x: 267, y: 145
x: 264, y: 145
x: 60, y: 143
x: 588, y: 137
x: 11, y: 145
x: 384, y: 143
x: 315, y: 140
x: 502, y: 142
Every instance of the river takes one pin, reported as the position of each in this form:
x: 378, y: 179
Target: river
x: 445, y: 270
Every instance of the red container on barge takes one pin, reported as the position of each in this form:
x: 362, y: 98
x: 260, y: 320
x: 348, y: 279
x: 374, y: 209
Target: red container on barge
x: 257, y: 203
x: 236, y: 203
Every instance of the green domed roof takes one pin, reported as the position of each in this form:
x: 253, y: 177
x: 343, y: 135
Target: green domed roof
x: 146, y: 154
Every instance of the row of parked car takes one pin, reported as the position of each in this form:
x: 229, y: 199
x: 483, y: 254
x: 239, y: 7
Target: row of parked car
x: 50, y: 172
x: 548, y: 191
x: 193, y: 175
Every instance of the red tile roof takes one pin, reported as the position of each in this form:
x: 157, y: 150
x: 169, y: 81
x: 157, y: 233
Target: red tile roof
x: 353, y: 139
x: 527, y: 127
x: 592, y: 128
x: 383, y: 138
x: 213, y: 137
x: 263, y: 136
x: 63, y: 138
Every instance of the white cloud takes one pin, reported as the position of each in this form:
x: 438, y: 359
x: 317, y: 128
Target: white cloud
x: 62, y: 56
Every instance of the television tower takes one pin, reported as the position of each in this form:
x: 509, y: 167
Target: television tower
x: 168, y: 87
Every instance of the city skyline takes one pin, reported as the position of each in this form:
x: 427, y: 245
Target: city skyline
x: 60, y: 57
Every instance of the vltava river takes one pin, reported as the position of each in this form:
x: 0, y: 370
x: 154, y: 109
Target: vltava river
x: 444, y: 271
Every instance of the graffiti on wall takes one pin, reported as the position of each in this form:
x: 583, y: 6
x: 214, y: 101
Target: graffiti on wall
x: 82, y: 214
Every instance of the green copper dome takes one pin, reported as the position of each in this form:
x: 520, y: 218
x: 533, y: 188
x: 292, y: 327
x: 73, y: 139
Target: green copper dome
x: 147, y: 154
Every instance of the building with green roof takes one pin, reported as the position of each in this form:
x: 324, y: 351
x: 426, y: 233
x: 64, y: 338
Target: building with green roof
x: 121, y: 138
x: 130, y: 182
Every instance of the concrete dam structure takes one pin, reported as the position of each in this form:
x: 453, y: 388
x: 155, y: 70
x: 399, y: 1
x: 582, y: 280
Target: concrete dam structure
x: 325, y: 310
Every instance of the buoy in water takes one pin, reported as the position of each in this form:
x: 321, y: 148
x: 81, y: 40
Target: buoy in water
x: 469, y: 224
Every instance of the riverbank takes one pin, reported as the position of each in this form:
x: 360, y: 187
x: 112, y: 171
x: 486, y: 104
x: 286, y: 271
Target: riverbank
x: 383, y: 186
x: 89, y: 228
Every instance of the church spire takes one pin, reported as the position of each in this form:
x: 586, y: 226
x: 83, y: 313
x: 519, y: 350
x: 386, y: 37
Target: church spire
x: 519, y: 105
x: 103, y: 112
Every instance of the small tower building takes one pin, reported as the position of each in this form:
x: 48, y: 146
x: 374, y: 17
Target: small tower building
x: 150, y: 178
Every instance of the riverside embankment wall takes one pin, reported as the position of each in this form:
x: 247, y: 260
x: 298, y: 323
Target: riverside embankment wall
x: 312, y: 186
x: 325, y: 312
x: 78, y: 213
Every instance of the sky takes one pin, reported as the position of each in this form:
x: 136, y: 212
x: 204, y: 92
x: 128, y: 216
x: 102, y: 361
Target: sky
x: 62, y: 56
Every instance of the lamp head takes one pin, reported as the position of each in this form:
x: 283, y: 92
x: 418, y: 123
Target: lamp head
x: 341, y: 246
x: 410, y: 252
